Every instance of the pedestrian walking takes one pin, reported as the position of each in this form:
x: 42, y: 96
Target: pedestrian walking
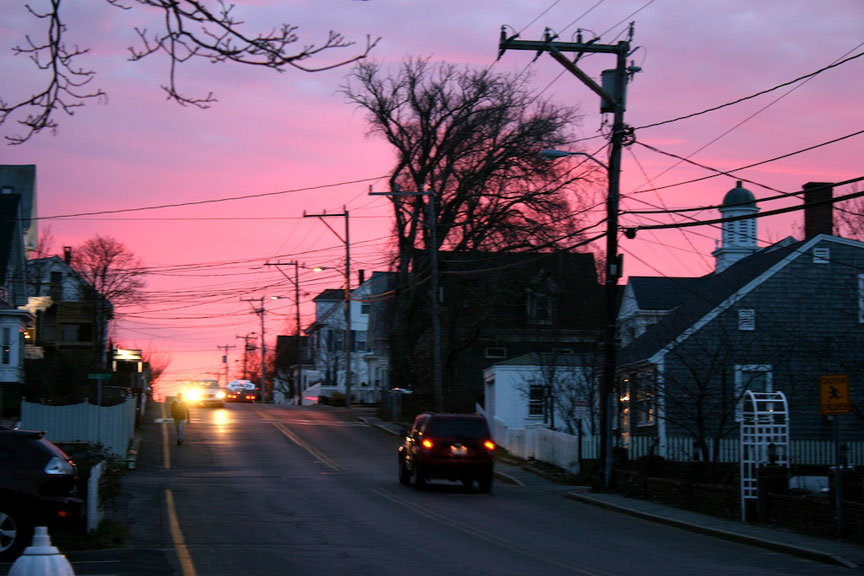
x: 180, y: 414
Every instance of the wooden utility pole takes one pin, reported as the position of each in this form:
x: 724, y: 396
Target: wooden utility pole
x: 225, y: 349
x: 346, y: 240
x: 613, y: 99
x: 432, y: 225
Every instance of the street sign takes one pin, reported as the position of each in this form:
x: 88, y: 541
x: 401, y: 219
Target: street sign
x: 100, y: 376
x: 834, y: 394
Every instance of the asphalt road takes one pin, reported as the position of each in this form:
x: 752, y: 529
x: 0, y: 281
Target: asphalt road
x: 261, y: 490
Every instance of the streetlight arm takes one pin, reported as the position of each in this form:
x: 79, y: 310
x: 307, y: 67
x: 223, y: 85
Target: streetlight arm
x: 553, y: 153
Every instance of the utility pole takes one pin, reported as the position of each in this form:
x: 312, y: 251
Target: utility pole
x: 225, y: 349
x: 343, y: 214
x: 246, y: 349
x: 298, y: 385
x: 432, y: 224
x: 613, y: 99
x: 260, y: 311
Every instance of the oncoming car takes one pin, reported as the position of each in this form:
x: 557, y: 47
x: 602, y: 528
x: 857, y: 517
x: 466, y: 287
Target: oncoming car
x: 456, y: 447
x: 206, y: 393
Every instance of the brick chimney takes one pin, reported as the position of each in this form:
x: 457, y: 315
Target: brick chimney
x: 67, y: 254
x: 818, y: 209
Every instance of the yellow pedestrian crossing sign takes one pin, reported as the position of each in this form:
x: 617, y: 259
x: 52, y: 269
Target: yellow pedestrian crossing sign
x: 834, y: 394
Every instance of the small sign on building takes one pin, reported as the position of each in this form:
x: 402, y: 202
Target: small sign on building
x: 834, y: 394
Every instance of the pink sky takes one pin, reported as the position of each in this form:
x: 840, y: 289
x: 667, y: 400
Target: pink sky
x: 293, y: 132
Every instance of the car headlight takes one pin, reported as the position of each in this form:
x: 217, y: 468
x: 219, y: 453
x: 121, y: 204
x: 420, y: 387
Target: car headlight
x: 193, y: 395
x: 220, y: 395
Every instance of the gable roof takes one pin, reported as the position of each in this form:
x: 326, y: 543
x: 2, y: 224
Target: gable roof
x: 662, y: 292
x: 715, y: 293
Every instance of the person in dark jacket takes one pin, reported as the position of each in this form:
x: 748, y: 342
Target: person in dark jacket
x: 180, y: 414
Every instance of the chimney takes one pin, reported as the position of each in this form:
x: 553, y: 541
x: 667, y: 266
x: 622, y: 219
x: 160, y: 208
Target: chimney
x: 67, y: 255
x: 818, y: 209
x: 361, y: 277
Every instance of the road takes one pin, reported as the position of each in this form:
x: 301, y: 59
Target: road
x: 270, y: 490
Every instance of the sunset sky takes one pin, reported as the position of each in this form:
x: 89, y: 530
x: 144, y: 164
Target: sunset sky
x: 206, y: 197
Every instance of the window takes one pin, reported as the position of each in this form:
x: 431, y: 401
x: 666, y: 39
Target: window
x: 646, y: 402
x: 540, y: 308
x: 752, y: 377
x: 364, y: 308
x: 359, y: 337
x: 536, y: 400
x: 496, y: 352
x: 56, y: 288
x: 747, y: 319
x: 821, y: 255
x: 861, y: 298
x: 7, y: 346
x: 75, y: 333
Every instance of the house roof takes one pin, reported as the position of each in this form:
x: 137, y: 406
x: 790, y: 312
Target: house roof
x: 330, y: 294
x: 709, y: 293
x: 661, y: 292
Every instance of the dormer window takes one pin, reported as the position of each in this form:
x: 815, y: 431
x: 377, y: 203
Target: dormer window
x: 540, y: 308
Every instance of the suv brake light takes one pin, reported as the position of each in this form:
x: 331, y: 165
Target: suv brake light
x: 427, y: 444
x: 489, y: 445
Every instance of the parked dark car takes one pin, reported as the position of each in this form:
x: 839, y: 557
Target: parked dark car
x: 38, y: 487
x: 456, y: 447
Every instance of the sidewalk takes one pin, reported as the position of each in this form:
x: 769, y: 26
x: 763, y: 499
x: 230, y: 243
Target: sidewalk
x: 835, y: 552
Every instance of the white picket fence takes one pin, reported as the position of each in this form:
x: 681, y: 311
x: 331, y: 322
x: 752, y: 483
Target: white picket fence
x: 563, y: 450
x: 111, y: 426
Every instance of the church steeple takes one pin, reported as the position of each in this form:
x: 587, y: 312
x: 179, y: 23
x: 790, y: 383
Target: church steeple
x: 739, y: 236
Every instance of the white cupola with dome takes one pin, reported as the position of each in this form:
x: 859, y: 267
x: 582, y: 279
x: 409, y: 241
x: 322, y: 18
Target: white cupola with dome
x: 739, y: 236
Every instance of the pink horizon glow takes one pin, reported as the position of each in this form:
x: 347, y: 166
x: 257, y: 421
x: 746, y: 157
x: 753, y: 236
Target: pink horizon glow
x: 294, y: 133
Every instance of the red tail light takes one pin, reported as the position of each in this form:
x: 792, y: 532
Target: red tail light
x: 427, y: 444
x: 489, y: 445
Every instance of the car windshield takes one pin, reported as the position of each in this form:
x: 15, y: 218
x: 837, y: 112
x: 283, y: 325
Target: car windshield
x: 213, y: 386
x: 462, y: 428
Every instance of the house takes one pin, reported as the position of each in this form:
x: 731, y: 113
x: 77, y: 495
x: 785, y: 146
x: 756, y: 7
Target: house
x: 552, y: 391
x: 768, y: 319
x: 14, y: 321
x: 501, y: 306
x: 326, y: 344
x: 71, y: 318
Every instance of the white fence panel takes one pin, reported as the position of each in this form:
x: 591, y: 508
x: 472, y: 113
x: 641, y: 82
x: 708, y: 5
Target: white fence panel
x: 561, y: 449
x: 111, y: 426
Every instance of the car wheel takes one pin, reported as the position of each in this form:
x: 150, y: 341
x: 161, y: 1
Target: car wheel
x: 418, y: 477
x: 404, y: 474
x: 15, y: 534
x: 485, y: 482
x: 466, y: 483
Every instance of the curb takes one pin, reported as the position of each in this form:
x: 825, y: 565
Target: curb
x: 806, y: 553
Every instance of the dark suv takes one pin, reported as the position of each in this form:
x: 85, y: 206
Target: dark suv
x: 454, y: 447
x: 38, y: 487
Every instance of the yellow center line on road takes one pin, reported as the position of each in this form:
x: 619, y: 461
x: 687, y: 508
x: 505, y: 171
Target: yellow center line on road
x: 306, y: 446
x: 488, y: 537
x: 177, y: 536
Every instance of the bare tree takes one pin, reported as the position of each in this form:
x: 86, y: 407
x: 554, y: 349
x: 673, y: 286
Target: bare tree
x: 470, y: 140
x: 116, y: 275
x: 191, y: 30
x: 565, y: 385
x: 850, y: 216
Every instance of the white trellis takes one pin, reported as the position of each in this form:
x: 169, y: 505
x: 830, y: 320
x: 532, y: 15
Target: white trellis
x: 764, y: 439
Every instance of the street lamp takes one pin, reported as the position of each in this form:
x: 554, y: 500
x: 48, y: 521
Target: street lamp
x: 613, y: 272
